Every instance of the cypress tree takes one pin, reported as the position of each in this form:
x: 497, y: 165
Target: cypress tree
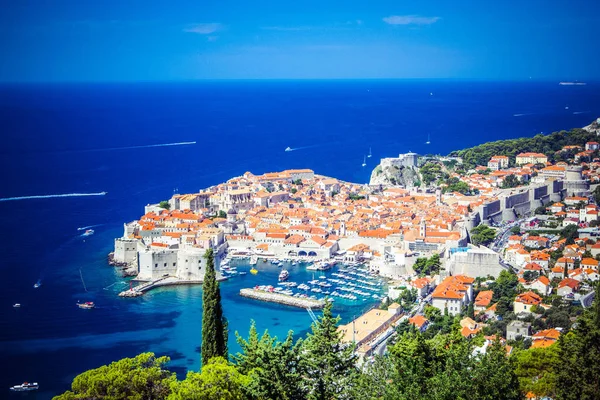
x: 214, y: 324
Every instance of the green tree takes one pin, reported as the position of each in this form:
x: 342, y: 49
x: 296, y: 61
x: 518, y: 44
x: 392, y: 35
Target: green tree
x: 328, y: 363
x: 510, y: 181
x: 578, y: 372
x: 275, y: 365
x: 218, y: 380
x: 214, y: 324
x: 165, y: 204
x: 222, y: 214
x: 455, y: 185
x: 139, y: 378
x: 570, y: 233
x: 596, y: 194
x: 419, y: 265
x: 471, y: 310
x: 535, y: 369
x: 482, y: 235
x: 433, y: 264
x: 494, y: 378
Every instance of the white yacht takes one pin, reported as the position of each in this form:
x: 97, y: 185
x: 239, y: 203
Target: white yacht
x: 283, y: 275
x: 25, y: 387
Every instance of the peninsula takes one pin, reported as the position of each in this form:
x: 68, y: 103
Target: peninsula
x: 305, y: 217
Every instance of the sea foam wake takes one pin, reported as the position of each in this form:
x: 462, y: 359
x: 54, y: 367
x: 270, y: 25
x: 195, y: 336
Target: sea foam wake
x: 142, y: 146
x: 51, y: 196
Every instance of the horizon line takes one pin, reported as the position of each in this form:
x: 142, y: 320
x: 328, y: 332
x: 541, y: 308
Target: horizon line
x: 209, y: 80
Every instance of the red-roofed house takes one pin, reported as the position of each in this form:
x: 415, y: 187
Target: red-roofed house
x: 525, y: 301
x: 483, y: 300
x: 542, y: 285
x: 421, y: 285
x: 567, y: 286
x: 420, y: 322
x: 453, y: 293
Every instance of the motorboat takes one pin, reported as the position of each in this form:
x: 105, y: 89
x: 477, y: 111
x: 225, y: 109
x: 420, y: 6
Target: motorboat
x: 254, y: 271
x: 88, y: 232
x: 25, y: 387
x: 88, y: 305
x: 37, y: 284
x: 288, y: 148
x: 283, y: 275
x: 16, y: 305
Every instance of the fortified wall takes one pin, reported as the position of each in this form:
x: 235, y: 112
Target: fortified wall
x: 508, y: 208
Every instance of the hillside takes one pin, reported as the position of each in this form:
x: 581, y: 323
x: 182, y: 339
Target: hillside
x: 547, y: 144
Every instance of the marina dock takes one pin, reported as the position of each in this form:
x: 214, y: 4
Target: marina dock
x: 282, y: 299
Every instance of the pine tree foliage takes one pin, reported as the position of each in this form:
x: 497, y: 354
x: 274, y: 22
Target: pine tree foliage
x: 276, y: 365
x: 143, y: 377
x: 219, y: 380
x: 578, y: 373
x: 328, y: 363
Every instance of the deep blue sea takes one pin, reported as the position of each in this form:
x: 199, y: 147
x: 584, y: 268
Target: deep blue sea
x: 78, y: 138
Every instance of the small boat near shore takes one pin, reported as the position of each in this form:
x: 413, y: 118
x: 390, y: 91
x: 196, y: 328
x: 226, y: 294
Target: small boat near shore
x: 88, y: 232
x: 25, y: 387
x: 88, y: 305
x: 254, y: 271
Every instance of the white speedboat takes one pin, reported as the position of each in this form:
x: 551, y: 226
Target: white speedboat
x: 283, y: 275
x: 288, y: 148
x: 25, y: 387
x: 88, y: 232
x: 37, y: 284
x: 16, y: 305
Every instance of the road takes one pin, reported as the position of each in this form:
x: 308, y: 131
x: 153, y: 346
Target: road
x: 587, y: 300
x: 417, y: 309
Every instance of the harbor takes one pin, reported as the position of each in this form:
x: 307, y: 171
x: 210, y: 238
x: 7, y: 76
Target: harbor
x: 349, y: 284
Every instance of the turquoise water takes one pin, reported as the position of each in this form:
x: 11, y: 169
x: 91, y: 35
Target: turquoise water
x: 167, y: 321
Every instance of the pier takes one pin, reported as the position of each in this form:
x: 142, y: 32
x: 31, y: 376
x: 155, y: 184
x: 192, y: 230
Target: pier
x: 282, y: 299
x: 166, y: 281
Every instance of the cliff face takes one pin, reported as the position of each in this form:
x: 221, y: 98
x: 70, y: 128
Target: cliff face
x: 393, y: 175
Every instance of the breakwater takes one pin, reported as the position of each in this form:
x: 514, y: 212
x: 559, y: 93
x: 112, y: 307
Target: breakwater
x: 167, y: 281
x: 281, y: 299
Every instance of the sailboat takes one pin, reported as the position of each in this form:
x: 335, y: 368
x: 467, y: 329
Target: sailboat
x: 364, y: 164
x: 370, y: 153
x: 428, y: 140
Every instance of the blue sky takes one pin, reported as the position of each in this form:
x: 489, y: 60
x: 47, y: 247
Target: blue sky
x: 126, y: 40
